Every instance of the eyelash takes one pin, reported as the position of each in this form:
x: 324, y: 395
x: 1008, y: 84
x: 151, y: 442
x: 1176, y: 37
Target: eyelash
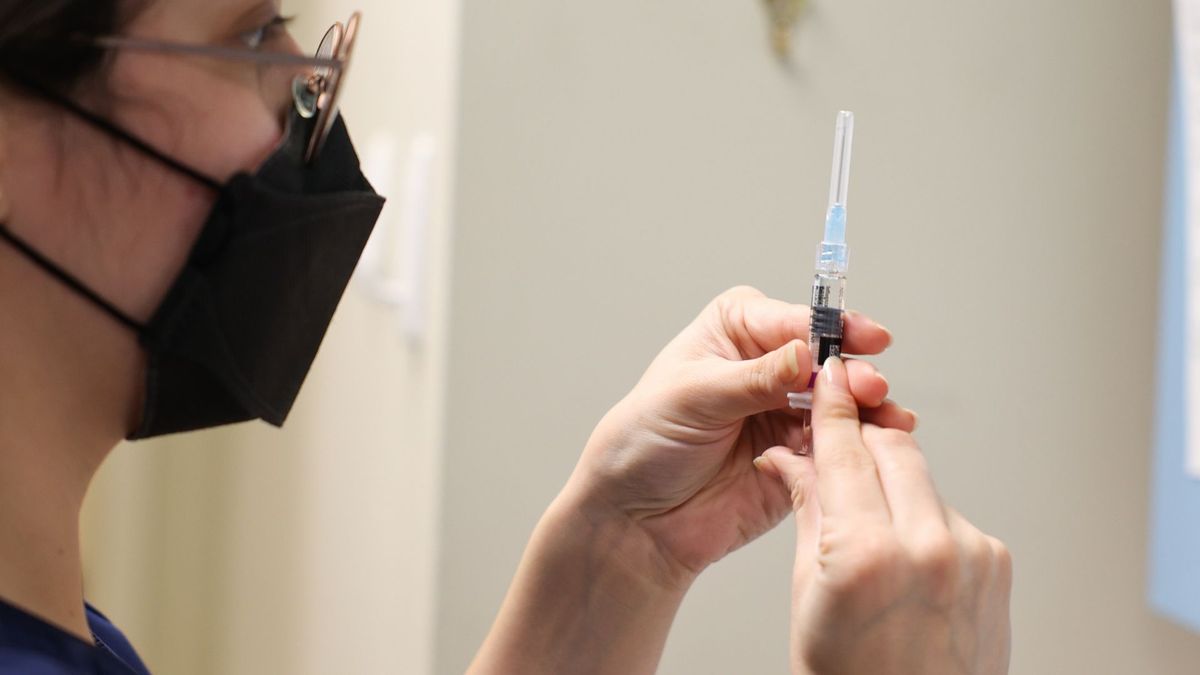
x: 255, y: 38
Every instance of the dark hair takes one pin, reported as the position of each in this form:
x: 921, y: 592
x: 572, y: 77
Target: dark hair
x: 40, y: 39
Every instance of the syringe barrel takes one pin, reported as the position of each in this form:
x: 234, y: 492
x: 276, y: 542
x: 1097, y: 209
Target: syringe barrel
x: 826, y: 326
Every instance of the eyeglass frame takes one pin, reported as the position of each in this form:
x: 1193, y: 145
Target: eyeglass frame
x: 314, y: 96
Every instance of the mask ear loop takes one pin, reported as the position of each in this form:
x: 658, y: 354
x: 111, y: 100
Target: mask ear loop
x: 108, y: 127
x: 70, y: 281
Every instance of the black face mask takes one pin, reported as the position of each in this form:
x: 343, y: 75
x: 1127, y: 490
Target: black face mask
x: 238, y: 331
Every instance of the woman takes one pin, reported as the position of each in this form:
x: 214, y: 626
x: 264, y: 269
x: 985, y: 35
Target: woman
x: 180, y: 210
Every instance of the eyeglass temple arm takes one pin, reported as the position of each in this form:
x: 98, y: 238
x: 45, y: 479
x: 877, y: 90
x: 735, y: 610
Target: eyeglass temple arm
x: 228, y: 53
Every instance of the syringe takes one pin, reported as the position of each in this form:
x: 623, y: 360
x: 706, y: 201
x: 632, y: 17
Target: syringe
x: 829, y: 282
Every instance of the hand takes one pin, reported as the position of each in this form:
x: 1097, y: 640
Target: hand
x: 887, y: 580
x: 674, y: 459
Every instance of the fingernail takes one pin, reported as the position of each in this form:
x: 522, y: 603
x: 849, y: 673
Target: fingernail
x: 916, y: 419
x: 759, y: 462
x: 835, y: 373
x: 793, y: 362
x: 883, y: 379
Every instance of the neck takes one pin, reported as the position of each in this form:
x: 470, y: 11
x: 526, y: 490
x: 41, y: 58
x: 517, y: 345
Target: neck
x: 63, y: 405
x: 41, y: 570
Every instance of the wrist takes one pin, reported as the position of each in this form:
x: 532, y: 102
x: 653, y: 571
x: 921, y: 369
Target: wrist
x: 583, y: 600
x: 615, y: 545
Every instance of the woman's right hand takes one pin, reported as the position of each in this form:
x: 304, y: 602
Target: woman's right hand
x: 887, y: 581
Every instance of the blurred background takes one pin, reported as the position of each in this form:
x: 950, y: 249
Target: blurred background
x: 571, y: 182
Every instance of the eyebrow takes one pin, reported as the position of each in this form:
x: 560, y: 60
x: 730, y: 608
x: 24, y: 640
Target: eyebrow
x: 265, y: 8
x: 260, y: 12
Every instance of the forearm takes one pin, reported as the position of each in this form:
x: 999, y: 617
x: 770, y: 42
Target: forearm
x: 586, y: 599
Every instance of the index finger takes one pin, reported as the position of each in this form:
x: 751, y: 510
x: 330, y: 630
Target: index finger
x: 758, y: 325
x: 848, y: 483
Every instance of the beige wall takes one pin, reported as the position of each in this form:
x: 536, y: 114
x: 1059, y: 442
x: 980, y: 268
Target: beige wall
x: 623, y: 161
x: 619, y: 164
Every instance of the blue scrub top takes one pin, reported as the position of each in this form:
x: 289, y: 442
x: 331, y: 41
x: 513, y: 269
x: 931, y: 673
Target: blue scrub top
x: 30, y: 646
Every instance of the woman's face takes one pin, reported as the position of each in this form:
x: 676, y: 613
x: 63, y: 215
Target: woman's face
x: 102, y: 210
x: 117, y: 220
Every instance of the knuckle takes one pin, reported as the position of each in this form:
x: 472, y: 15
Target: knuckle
x: 877, y: 556
x: 1002, y: 553
x: 910, y: 468
x: 979, y: 553
x: 742, y: 291
x: 728, y: 309
x: 760, y: 380
x: 1003, y: 560
x: 936, y: 553
x: 850, y: 461
x: 856, y: 554
x: 936, y: 558
x: 730, y: 302
x: 888, y: 438
x: 798, y: 489
x: 893, y: 462
x: 835, y: 407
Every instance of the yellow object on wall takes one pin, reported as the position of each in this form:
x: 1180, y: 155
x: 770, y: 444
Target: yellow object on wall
x: 783, y: 15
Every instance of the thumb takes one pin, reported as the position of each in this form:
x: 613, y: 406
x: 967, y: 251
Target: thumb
x: 743, y: 388
x: 796, y: 473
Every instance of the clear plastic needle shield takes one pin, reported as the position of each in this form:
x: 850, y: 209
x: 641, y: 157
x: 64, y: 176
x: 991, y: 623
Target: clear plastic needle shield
x: 833, y: 258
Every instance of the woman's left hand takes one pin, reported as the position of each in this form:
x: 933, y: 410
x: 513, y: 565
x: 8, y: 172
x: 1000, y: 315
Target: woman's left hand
x: 666, y: 486
x: 674, y: 459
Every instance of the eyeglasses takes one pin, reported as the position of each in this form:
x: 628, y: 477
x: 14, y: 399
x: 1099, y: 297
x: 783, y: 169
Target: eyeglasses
x: 315, y: 95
